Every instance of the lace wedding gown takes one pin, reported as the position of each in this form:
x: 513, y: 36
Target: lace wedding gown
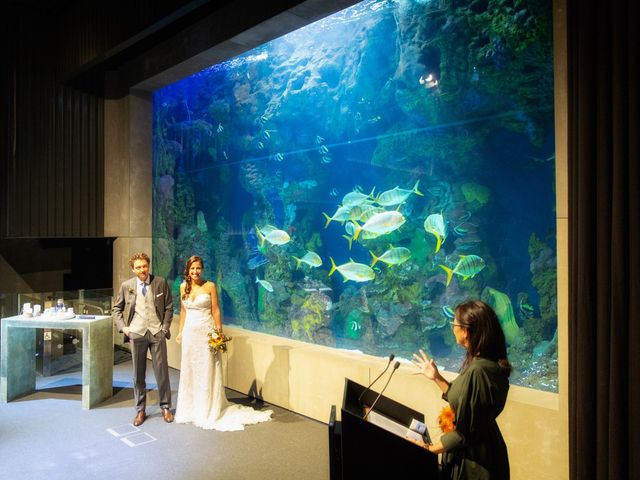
x: 201, y: 396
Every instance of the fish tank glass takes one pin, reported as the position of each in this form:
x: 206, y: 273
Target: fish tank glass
x: 349, y: 183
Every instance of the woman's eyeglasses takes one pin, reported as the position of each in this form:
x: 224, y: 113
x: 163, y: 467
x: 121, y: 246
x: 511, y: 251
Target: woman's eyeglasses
x: 461, y: 325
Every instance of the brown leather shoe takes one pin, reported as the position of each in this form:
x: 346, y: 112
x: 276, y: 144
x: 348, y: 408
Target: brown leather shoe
x: 167, y: 415
x: 140, y: 418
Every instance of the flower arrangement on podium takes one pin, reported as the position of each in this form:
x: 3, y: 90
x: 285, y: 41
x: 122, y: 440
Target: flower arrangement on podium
x: 217, y: 340
x: 446, y: 420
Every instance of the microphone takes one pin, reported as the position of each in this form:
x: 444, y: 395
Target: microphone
x: 395, y: 367
x: 391, y: 357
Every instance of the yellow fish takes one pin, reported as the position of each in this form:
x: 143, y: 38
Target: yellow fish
x: 310, y: 258
x: 393, y: 256
x: 397, y: 195
x: 340, y: 215
x: 381, y: 223
x: 468, y: 266
x: 434, y: 224
x: 272, y: 235
x: 358, y: 272
x: 354, y: 198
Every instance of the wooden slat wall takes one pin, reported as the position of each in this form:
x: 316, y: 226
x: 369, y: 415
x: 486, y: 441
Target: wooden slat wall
x: 53, y: 152
x: 52, y: 165
x: 56, y: 178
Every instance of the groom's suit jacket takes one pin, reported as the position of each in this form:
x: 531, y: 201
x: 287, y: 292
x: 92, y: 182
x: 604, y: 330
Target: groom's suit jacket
x: 124, y: 306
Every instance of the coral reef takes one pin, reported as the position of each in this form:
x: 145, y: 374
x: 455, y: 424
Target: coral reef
x: 313, y: 314
x: 162, y: 257
x: 475, y: 193
x: 544, y: 279
x: 417, y: 93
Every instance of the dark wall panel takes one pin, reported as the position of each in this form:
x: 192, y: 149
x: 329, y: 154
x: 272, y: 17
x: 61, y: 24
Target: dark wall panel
x: 52, y: 144
x: 55, y: 170
x: 53, y: 155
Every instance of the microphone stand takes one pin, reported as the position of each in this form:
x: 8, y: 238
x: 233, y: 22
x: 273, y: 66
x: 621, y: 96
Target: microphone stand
x: 391, y: 357
x: 395, y: 367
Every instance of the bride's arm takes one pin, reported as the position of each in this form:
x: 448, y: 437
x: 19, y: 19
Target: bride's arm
x: 215, y: 309
x: 182, y: 315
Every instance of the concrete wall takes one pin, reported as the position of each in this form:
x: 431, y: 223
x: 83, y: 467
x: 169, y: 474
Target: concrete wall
x: 128, y: 183
x: 128, y: 177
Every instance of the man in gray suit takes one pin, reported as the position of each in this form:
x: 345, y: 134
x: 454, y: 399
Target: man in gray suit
x: 143, y: 311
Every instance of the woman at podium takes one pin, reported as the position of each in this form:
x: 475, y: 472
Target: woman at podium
x: 474, y: 449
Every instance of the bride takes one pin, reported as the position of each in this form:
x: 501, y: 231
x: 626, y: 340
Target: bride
x: 201, y: 396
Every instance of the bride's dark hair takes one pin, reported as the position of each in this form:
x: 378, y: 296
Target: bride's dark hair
x: 193, y: 259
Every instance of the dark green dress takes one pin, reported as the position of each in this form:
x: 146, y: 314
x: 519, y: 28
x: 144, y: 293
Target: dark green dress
x: 476, y: 449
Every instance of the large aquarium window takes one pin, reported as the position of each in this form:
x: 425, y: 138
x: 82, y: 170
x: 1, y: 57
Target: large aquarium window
x: 350, y: 183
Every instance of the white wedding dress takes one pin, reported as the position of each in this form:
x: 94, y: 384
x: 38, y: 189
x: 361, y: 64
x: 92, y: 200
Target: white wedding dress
x: 201, y: 396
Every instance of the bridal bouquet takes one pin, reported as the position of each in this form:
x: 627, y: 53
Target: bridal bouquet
x: 446, y: 419
x: 217, y: 340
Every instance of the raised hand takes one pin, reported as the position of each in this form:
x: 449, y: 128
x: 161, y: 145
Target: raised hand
x: 426, y: 365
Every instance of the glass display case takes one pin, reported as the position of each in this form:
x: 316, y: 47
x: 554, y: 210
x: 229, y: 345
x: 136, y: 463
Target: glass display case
x: 58, y: 351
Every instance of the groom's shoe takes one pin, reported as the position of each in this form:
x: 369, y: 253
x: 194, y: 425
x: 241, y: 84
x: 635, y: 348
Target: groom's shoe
x: 167, y: 415
x: 140, y: 418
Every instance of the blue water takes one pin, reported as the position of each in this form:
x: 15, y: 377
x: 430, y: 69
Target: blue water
x: 274, y: 138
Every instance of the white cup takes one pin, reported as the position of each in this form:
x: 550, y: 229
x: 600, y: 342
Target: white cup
x: 37, y: 309
x: 70, y: 310
x: 27, y: 312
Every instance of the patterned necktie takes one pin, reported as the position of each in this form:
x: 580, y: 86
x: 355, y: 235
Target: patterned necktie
x: 144, y: 289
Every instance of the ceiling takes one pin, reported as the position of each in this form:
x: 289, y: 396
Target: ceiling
x: 199, y: 34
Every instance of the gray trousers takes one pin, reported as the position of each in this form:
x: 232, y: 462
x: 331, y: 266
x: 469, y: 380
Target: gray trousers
x: 157, y: 345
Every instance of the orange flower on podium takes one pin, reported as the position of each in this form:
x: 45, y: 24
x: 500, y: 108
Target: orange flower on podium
x: 217, y: 340
x: 446, y: 419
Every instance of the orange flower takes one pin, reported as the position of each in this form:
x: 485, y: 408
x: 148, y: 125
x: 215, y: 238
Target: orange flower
x: 446, y: 419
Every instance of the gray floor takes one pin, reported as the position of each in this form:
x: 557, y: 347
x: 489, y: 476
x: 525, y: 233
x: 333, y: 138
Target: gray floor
x: 47, y: 435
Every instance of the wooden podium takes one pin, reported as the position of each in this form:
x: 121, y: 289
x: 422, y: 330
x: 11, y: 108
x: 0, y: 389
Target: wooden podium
x: 367, y: 448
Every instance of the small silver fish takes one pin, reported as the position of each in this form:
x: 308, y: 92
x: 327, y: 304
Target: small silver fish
x: 264, y: 284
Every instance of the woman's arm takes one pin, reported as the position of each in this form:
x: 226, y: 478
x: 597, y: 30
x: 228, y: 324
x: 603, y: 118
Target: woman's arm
x: 432, y: 447
x: 215, y: 309
x: 435, y: 447
x: 182, y: 315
